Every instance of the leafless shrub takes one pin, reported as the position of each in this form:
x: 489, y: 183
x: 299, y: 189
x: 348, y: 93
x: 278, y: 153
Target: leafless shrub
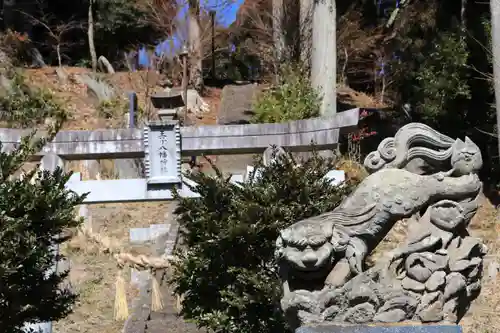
x: 276, y: 36
x: 255, y: 34
x: 56, y: 32
x: 360, y: 49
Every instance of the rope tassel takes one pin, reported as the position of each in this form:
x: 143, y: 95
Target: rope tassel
x: 156, y: 296
x: 121, y: 306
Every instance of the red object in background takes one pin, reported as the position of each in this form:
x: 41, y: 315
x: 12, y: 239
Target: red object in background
x: 361, y: 134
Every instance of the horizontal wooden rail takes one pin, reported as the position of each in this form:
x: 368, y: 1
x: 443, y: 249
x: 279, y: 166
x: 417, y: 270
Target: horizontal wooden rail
x: 196, y: 140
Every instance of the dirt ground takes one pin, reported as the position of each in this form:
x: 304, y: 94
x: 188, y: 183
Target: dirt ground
x: 93, y: 272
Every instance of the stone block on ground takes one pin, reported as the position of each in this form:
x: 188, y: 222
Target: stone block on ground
x: 171, y: 240
x: 167, y: 319
x: 236, y: 104
x: 139, y: 279
x: 157, y: 230
x: 145, y: 235
x: 141, y: 310
x: 380, y: 329
x: 139, y: 235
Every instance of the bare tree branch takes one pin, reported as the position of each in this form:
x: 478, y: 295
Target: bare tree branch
x: 55, y: 32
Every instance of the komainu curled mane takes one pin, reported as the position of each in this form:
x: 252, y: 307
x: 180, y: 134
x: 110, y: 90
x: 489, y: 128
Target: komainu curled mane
x: 417, y: 140
x: 322, y: 259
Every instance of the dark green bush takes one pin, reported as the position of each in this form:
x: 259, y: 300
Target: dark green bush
x: 442, y: 77
x: 227, y: 274
x: 34, y: 210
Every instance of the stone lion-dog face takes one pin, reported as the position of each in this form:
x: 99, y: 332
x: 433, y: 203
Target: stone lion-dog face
x: 307, y: 247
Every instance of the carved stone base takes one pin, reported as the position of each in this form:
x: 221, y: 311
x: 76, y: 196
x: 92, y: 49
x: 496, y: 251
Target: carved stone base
x: 379, y: 329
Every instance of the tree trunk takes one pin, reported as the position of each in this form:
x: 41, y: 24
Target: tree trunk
x: 58, y: 51
x: 324, y: 55
x: 196, y: 54
x: 278, y: 33
x: 93, y: 54
x: 463, y: 20
x: 104, y: 63
x: 495, y: 50
x: 306, y: 7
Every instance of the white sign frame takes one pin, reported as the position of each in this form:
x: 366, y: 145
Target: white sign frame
x: 168, y: 126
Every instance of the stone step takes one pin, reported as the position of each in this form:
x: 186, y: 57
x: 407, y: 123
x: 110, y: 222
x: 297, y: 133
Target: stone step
x: 168, y: 319
x: 163, y: 238
x: 146, y: 235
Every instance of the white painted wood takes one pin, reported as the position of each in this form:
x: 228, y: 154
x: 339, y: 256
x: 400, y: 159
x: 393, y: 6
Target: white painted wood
x: 129, y: 190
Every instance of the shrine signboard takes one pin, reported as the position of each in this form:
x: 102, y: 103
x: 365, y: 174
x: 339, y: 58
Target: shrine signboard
x: 162, y: 149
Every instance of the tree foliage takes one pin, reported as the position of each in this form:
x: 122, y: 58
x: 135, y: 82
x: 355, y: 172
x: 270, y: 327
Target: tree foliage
x: 228, y: 274
x: 34, y: 210
x: 127, y: 23
x: 439, y: 81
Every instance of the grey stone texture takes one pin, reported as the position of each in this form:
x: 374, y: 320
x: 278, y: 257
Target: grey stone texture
x: 237, y: 104
x: 380, y: 329
x: 195, y: 140
x: 431, y: 278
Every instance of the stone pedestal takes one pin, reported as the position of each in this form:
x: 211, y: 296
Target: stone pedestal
x: 380, y: 329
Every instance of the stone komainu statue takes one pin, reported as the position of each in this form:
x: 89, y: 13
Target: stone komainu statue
x: 432, y: 278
